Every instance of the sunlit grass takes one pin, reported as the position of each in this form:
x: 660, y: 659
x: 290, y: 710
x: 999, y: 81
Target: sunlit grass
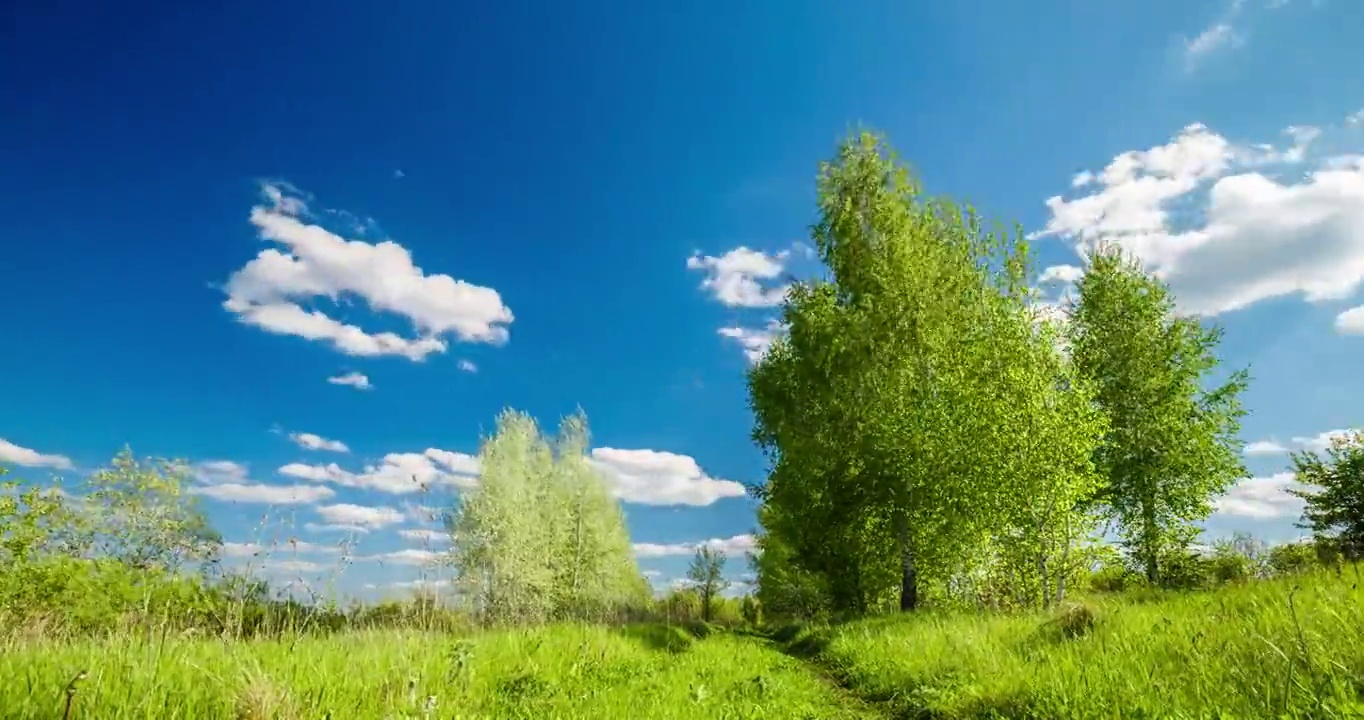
x: 1285, y: 648
x: 555, y: 672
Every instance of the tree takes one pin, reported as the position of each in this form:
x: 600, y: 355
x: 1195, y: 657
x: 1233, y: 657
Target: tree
x: 1333, y: 488
x: 140, y: 513
x: 914, y: 398
x: 540, y: 537
x: 707, y: 576
x: 1172, y: 446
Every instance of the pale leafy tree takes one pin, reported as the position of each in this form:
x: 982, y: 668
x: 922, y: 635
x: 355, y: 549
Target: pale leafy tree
x: 142, y: 514
x: 1172, y: 446
x: 502, y: 547
x: 540, y: 536
x: 1049, y: 464
x: 597, y: 570
x: 707, y: 576
x: 1332, y: 484
x: 136, y: 512
x: 36, y: 523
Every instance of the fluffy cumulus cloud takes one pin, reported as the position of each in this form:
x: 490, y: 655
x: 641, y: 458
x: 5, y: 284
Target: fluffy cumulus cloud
x: 359, y: 381
x: 359, y: 516
x: 257, y: 493
x: 11, y: 454
x: 1226, y: 225
x: 398, y: 473
x: 1314, y: 443
x: 406, y: 556
x: 314, y: 263
x: 1351, y: 322
x: 754, y: 341
x: 228, y: 481
x: 468, y: 366
x: 1262, y: 498
x: 743, y: 277
x: 736, y: 546
x: 651, y: 477
x: 309, y: 441
x: 220, y: 471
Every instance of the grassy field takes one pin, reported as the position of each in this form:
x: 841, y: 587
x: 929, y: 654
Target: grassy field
x: 557, y: 672
x: 1265, y: 649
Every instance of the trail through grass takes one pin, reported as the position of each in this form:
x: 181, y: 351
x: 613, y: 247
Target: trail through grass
x: 1291, y: 648
x: 556, y: 672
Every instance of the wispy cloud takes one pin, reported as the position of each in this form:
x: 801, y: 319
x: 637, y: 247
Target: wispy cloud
x: 1228, y: 32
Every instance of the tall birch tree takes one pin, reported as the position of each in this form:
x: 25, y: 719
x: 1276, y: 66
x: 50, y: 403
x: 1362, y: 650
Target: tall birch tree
x: 1172, y: 446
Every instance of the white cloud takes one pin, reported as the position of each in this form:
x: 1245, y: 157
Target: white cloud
x: 1351, y: 322
x: 468, y: 366
x: 420, y: 584
x: 754, y: 341
x: 293, y: 566
x: 220, y: 471
x: 242, y: 550
x: 1226, y: 33
x: 407, y: 556
x: 359, y: 516
x: 424, y: 513
x: 733, y: 547
x: 1261, y: 497
x: 264, y: 494
x: 1249, y: 237
x: 1265, y: 447
x: 315, y: 263
x: 251, y: 549
x: 652, y: 477
x: 398, y: 473
x: 356, y: 380
x: 309, y: 441
x: 1219, y: 36
x: 736, y: 278
x: 16, y: 455
x: 426, y: 535
x: 335, y: 527
x: 1066, y: 274
x: 1314, y: 443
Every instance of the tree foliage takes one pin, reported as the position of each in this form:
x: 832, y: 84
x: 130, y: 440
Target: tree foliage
x: 915, y: 399
x: 1172, y: 445
x: 541, y: 536
x: 1332, y: 484
x: 707, y: 575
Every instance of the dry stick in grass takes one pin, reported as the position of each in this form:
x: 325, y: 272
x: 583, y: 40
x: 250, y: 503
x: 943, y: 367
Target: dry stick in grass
x: 71, y: 693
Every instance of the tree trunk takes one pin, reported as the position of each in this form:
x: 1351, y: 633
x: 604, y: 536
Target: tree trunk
x: 909, y: 574
x: 1151, y: 541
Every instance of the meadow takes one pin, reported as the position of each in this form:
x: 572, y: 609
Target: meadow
x: 1291, y: 647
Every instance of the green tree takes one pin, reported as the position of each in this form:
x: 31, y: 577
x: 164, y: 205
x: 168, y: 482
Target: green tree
x: 540, y: 536
x: 1172, y: 445
x: 707, y: 576
x: 1333, y: 488
x: 141, y: 513
x: 914, y: 398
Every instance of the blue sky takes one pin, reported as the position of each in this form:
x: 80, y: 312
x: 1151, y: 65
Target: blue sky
x: 211, y: 214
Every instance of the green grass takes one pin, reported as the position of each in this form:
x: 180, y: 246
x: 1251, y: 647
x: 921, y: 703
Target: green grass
x: 1243, y: 651
x: 1291, y: 648
x: 555, y: 672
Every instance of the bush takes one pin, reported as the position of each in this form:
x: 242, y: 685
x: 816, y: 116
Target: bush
x: 1292, y: 558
